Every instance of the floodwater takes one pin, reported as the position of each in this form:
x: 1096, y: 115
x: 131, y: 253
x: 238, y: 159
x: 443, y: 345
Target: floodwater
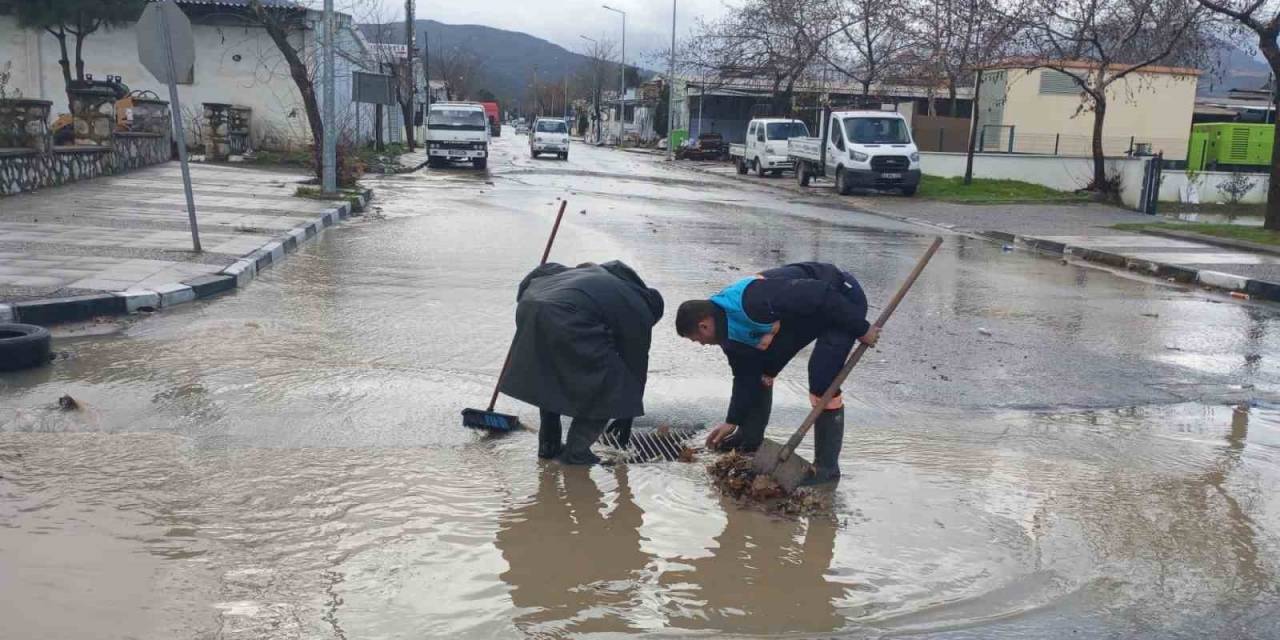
x: 1102, y: 459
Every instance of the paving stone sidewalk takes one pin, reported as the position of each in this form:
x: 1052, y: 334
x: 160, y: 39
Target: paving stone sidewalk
x: 122, y: 242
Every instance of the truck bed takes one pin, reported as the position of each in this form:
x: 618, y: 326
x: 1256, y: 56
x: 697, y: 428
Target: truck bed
x: 805, y: 149
x: 737, y: 150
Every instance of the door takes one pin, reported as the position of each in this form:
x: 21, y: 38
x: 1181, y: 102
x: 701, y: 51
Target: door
x: 835, y: 143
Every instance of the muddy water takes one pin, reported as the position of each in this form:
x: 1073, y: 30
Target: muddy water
x: 287, y: 462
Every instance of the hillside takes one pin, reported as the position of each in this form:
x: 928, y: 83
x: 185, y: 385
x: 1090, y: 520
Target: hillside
x: 506, y: 59
x: 1235, y: 69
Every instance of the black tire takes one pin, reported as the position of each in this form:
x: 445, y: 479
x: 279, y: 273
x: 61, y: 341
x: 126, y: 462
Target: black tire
x: 802, y: 174
x: 433, y: 163
x: 842, y: 182
x: 759, y: 168
x: 777, y: 173
x: 533, y: 154
x: 23, y: 346
x: 742, y: 166
x: 908, y: 191
x: 480, y: 163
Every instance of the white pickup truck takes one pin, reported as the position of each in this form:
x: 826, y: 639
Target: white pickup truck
x: 765, y: 149
x: 860, y: 149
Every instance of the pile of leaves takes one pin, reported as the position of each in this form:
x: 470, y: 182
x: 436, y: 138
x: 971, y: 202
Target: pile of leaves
x: 734, y: 476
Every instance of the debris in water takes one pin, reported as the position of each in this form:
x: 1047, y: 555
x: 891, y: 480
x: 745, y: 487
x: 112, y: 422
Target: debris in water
x: 1007, y: 247
x: 1239, y: 295
x: 985, y: 332
x: 67, y: 403
x: 583, y: 212
x: 734, y: 475
x: 1151, y: 315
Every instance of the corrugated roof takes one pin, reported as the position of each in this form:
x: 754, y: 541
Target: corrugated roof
x: 275, y: 4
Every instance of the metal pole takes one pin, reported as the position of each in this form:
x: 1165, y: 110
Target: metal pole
x: 622, y: 95
x: 175, y: 120
x: 702, y: 97
x: 1056, y: 138
x: 329, y: 172
x: 671, y: 92
x: 973, y: 127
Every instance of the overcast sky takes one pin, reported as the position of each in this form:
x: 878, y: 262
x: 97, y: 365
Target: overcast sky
x: 562, y: 21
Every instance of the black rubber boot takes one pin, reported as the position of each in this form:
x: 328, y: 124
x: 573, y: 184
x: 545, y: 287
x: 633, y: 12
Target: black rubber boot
x: 620, y: 430
x: 828, y: 440
x: 577, y: 447
x: 549, y: 435
x: 751, y: 432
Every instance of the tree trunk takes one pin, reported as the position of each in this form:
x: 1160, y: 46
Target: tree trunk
x: 377, y: 128
x: 1099, y: 183
x: 951, y: 91
x: 64, y: 62
x: 301, y: 79
x: 79, y: 58
x: 1271, y: 51
x: 406, y: 107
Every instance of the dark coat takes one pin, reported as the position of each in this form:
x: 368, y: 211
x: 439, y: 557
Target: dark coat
x: 582, y: 340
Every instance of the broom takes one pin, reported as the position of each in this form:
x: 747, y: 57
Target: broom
x: 488, y: 418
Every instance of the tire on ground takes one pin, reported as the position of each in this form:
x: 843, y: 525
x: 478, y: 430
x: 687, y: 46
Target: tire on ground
x: 23, y: 346
x: 842, y: 182
x: 802, y: 173
x: 741, y: 165
x: 760, y: 172
x: 908, y: 191
x: 480, y: 163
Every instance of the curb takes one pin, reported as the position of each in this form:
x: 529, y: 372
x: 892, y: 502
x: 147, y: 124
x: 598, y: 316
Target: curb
x: 1227, y: 243
x: 1258, y: 289
x: 53, y: 311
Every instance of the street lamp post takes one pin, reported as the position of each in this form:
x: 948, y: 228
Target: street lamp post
x: 671, y: 90
x: 622, y: 95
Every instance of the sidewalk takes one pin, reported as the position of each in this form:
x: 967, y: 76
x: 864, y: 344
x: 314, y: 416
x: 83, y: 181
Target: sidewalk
x: 119, y: 244
x: 1080, y: 231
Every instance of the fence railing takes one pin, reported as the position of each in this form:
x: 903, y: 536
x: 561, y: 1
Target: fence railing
x: 1007, y: 139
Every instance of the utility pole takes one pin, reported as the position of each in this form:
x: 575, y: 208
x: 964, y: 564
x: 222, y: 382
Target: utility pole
x: 412, y: 81
x: 426, y: 64
x: 595, y: 84
x: 671, y: 90
x: 329, y: 172
x: 566, y: 99
x: 622, y: 95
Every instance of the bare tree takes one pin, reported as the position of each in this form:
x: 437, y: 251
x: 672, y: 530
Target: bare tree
x: 871, y: 41
x: 600, y: 69
x: 1263, y: 20
x: 953, y: 38
x: 458, y: 66
x: 1099, y: 44
x: 287, y: 26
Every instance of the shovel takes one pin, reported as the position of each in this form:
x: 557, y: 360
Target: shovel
x: 780, y: 461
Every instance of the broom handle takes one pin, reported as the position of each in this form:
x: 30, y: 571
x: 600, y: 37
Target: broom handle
x: 545, y: 254
x: 857, y: 355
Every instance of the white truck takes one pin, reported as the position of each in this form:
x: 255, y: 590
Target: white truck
x: 765, y: 149
x: 859, y: 149
x: 457, y: 132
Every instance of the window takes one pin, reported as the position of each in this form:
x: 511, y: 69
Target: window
x: 837, y: 134
x: 551, y: 126
x: 460, y: 119
x: 787, y: 130
x: 1057, y: 82
x: 751, y: 130
x: 877, y: 130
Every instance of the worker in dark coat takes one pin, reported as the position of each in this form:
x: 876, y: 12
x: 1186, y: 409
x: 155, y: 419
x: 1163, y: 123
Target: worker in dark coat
x: 761, y: 323
x: 582, y: 349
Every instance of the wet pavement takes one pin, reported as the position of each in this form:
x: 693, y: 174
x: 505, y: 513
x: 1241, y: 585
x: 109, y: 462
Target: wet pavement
x: 1037, y: 449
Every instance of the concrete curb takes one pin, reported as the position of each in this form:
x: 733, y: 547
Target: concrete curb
x: 1258, y: 289
x: 53, y: 311
x: 1228, y: 243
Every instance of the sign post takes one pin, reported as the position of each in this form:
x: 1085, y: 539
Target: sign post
x: 166, y: 47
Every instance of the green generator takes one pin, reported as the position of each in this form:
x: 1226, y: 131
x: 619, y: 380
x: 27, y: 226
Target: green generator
x: 1223, y: 146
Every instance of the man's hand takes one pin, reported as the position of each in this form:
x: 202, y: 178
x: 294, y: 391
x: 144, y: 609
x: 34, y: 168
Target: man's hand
x: 719, y: 433
x: 872, y: 337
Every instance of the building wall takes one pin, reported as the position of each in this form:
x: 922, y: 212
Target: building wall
x: 1056, y: 172
x: 259, y: 79
x: 1150, y: 107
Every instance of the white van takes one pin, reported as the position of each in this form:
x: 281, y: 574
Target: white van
x: 860, y: 149
x: 549, y: 135
x: 457, y: 131
x: 765, y: 149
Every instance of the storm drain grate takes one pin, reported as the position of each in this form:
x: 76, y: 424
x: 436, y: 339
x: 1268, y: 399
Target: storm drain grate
x: 661, y: 444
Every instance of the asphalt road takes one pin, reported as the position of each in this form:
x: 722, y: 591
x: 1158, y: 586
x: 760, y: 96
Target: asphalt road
x: 1036, y: 449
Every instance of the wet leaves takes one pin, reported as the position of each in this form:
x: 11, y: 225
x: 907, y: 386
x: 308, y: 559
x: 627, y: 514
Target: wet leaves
x: 733, y: 474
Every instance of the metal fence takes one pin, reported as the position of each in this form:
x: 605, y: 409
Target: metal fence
x: 1007, y: 139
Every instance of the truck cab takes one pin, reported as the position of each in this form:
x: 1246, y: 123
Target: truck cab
x: 457, y: 132
x: 549, y: 135
x: 765, y: 149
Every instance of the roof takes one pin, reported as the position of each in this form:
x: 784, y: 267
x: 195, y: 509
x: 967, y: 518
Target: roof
x: 865, y: 113
x: 768, y: 120
x: 1031, y: 63
x: 271, y: 4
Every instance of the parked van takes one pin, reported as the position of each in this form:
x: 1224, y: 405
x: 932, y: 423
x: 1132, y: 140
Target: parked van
x: 765, y: 149
x: 860, y: 149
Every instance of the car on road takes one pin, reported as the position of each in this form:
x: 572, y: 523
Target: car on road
x: 457, y: 132
x: 859, y: 149
x: 765, y: 149
x: 549, y: 135
x: 708, y: 146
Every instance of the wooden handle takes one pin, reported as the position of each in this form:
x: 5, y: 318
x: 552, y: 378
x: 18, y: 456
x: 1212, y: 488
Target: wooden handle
x: 818, y: 408
x: 546, y: 253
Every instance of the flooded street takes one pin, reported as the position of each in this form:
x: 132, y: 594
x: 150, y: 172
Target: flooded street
x: 1036, y: 449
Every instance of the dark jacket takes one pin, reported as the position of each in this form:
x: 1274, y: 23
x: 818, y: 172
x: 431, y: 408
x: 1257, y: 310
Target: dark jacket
x: 582, y: 340
x: 807, y: 299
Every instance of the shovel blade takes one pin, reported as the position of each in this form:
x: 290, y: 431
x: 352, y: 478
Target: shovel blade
x: 789, y: 473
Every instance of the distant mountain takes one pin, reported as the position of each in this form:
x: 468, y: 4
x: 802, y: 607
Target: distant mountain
x: 507, y: 59
x: 1235, y: 68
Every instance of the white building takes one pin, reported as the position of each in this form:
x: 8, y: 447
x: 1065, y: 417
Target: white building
x: 236, y: 63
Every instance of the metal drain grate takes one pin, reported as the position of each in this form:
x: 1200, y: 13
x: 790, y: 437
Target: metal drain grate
x: 653, y: 445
